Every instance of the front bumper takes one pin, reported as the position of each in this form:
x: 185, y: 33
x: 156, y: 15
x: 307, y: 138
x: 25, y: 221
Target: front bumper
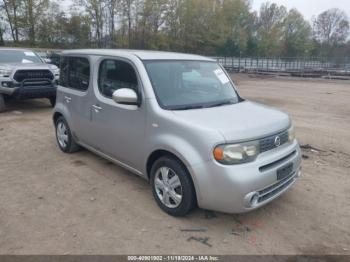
x: 230, y: 188
x: 25, y: 91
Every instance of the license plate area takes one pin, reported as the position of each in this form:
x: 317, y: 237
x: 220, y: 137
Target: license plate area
x: 284, y: 171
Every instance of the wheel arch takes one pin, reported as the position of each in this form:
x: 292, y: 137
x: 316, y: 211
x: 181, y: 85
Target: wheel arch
x: 158, y: 153
x: 61, y: 110
x: 55, y: 116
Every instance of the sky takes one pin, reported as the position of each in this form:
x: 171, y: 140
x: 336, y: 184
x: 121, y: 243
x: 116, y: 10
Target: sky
x: 308, y: 8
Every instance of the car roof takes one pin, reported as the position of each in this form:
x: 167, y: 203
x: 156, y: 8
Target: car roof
x: 141, y: 54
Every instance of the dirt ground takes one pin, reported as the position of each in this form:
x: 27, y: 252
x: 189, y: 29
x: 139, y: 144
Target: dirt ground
x: 54, y: 203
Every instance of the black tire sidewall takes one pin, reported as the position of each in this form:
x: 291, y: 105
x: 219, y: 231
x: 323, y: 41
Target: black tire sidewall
x: 69, y: 143
x: 52, y: 101
x: 2, y: 103
x: 188, y: 193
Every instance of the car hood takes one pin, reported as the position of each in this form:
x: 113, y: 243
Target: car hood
x: 27, y: 66
x: 239, y: 122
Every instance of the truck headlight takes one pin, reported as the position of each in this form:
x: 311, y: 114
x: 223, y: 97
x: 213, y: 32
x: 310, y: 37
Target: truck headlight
x: 291, y: 134
x: 5, y: 72
x: 231, y: 154
x: 56, y: 71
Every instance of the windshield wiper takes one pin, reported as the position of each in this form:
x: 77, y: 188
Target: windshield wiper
x: 188, y: 107
x: 222, y: 103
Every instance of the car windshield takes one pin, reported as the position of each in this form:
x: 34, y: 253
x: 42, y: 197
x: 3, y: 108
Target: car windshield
x: 182, y: 85
x: 18, y: 56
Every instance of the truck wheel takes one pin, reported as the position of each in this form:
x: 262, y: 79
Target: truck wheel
x: 64, y: 137
x: 172, y: 186
x: 2, y: 103
x: 52, y: 101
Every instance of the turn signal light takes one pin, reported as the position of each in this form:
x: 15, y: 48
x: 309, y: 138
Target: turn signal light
x: 218, y: 154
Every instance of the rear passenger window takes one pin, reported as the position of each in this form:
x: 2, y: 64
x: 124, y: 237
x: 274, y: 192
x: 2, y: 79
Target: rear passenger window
x: 114, y: 75
x: 75, y: 73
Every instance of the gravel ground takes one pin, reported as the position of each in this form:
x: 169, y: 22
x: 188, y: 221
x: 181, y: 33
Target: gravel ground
x: 53, y: 203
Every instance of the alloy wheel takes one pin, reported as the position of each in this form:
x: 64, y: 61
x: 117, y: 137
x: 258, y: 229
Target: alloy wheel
x: 62, y: 134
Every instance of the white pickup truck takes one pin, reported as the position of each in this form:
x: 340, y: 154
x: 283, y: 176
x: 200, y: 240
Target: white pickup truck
x: 25, y: 75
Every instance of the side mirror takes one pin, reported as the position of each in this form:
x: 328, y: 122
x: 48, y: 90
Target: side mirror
x: 47, y: 60
x: 125, y: 96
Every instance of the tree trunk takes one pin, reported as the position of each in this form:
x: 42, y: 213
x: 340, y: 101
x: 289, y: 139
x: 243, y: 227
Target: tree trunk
x: 15, y: 22
x: 31, y: 23
x: 2, y: 42
x: 9, y: 18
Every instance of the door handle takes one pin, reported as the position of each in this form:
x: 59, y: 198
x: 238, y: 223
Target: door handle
x: 68, y: 99
x: 97, y: 108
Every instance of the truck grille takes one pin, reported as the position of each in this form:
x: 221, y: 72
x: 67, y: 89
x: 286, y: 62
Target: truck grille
x: 268, y: 143
x: 22, y: 75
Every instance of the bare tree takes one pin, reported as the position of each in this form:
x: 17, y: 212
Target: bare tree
x: 12, y: 9
x: 2, y: 27
x: 33, y: 11
x: 150, y: 22
x: 331, y: 27
x: 112, y: 10
x: 128, y: 7
x: 96, y: 10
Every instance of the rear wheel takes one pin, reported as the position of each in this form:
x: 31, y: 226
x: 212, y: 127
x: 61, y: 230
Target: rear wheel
x: 172, y: 186
x: 52, y: 101
x: 2, y: 103
x: 64, y: 137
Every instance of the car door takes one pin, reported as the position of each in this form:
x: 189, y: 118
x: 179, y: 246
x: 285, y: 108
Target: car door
x: 118, y: 130
x: 75, y: 78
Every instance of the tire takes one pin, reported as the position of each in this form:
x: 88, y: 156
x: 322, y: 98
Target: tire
x: 2, y: 103
x: 170, y: 203
x: 52, y: 101
x: 64, y: 137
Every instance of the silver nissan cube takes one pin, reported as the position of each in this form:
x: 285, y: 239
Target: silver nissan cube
x: 177, y: 121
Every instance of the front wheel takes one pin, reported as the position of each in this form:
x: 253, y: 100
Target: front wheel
x: 172, y: 186
x: 52, y: 101
x: 64, y: 137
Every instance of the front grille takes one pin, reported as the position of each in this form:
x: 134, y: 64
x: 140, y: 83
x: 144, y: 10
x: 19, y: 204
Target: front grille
x: 277, y: 162
x: 274, y: 189
x: 268, y: 143
x: 22, y: 75
x: 35, y: 83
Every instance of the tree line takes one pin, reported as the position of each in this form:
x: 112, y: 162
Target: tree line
x: 209, y: 27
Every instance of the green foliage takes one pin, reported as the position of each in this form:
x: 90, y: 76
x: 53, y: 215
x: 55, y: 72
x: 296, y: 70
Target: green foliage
x: 296, y: 35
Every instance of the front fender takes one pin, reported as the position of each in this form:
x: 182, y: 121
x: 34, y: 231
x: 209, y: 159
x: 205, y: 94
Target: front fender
x: 189, y: 153
x: 6, y: 90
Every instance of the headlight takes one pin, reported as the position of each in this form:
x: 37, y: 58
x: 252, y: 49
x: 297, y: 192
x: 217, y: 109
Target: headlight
x: 291, y: 134
x: 5, y: 72
x: 231, y: 154
x: 56, y: 71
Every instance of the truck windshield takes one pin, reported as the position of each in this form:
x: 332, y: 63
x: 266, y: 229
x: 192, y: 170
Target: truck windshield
x: 182, y: 85
x: 18, y: 56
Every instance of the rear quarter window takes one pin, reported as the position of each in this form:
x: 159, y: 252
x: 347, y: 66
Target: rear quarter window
x: 75, y: 72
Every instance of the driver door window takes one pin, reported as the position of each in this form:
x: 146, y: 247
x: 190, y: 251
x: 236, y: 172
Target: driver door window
x: 114, y: 75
